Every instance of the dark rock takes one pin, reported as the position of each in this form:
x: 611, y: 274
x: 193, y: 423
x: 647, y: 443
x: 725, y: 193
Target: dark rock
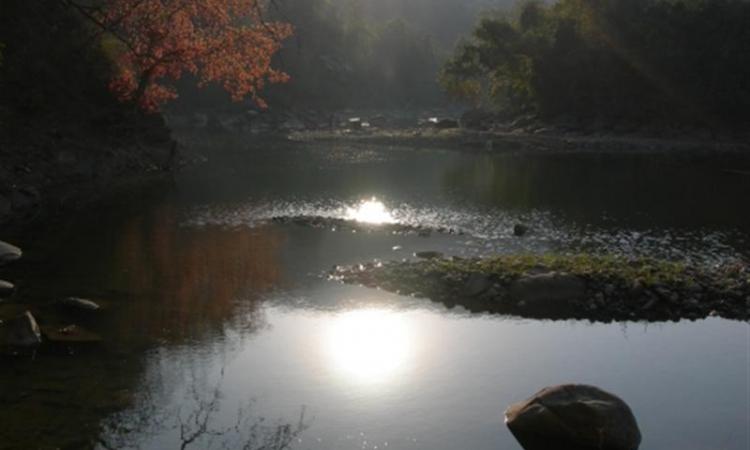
x: 78, y: 304
x: 573, y: 417
x: 22, y: 331
x: 550, y: 291
x: 520, y: 229
x: 9, y: 253
x: 476, y: 284
x: 6, y: 289
x: 428, y: 255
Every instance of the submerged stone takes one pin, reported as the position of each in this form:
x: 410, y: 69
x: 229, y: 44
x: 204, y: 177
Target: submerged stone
x: 573, y: 417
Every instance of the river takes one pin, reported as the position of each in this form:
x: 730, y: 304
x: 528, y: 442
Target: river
x: 220, y: 327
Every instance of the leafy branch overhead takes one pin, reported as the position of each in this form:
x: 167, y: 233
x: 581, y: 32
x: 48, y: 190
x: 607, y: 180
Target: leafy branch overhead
x: 155, y: 42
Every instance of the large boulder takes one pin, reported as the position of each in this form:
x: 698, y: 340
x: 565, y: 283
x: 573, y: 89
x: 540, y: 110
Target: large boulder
x: 548, y: 292
x: 22, y: 331
x: 573, y: 417
x: 9, y: 253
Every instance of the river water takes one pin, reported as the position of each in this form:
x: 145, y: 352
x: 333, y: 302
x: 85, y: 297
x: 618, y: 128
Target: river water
x: 221, y: 329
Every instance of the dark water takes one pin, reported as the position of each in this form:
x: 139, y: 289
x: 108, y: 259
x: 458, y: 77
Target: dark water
x: 220, y: 328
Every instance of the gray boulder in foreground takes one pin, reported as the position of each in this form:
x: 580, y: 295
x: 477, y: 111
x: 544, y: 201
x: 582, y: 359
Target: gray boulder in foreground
x: 21, y: 331
x: 551, y: 290
x: 9, y: 253
x: 573, y: 417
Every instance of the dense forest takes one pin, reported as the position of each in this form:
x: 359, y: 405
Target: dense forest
x: 634, y: 61
x: 666, y: 61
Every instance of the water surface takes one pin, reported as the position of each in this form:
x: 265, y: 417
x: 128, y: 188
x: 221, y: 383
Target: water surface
x: 217, y: 317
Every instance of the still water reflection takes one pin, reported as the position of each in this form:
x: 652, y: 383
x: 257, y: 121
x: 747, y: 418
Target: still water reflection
x: 215, y: 313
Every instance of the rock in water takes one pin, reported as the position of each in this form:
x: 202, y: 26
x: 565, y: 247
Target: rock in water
x: 9, y: 253
x: 78, y: 304
x: 551, y: 291
x: 6, y: 289
x: 520, y: 229
x: 22, y: 331
x: 573, y: 417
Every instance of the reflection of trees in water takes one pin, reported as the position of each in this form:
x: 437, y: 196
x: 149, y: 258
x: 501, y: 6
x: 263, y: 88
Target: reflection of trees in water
x: 663, y: 190
x: 192, y: 284
x: 195, y: 422
x: 191, y: 280
x: 159, y: 283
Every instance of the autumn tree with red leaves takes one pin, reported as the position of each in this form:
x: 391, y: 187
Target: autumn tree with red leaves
x: 217, y: 41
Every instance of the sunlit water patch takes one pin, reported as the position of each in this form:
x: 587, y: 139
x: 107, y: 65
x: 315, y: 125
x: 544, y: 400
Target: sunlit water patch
x: 490, y: 231
x: 370, y: 211
x: 422, y: 379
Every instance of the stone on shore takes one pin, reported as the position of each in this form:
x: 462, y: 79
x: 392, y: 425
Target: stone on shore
x: 78, y: 304
x: 9, y: 252
x: 6, y: 289
x: 573, y: 417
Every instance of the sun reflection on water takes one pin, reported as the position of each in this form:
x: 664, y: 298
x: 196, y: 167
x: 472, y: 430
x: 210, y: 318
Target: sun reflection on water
x: 370, y: 211
x: 370, y: 346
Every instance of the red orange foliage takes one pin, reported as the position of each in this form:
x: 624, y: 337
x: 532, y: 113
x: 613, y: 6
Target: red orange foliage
x: 222, y: 41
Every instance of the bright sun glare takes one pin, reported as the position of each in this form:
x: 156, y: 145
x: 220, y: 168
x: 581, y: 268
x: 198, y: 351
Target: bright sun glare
x: 369, y: 346
x: 370, y: 211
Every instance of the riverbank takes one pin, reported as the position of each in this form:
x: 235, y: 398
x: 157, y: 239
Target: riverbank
x: 597, y: 288
x: 47, y: 170
x: 468, y: 131
x: 543, y: 140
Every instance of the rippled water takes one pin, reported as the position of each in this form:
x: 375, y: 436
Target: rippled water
x: 221, y: 327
